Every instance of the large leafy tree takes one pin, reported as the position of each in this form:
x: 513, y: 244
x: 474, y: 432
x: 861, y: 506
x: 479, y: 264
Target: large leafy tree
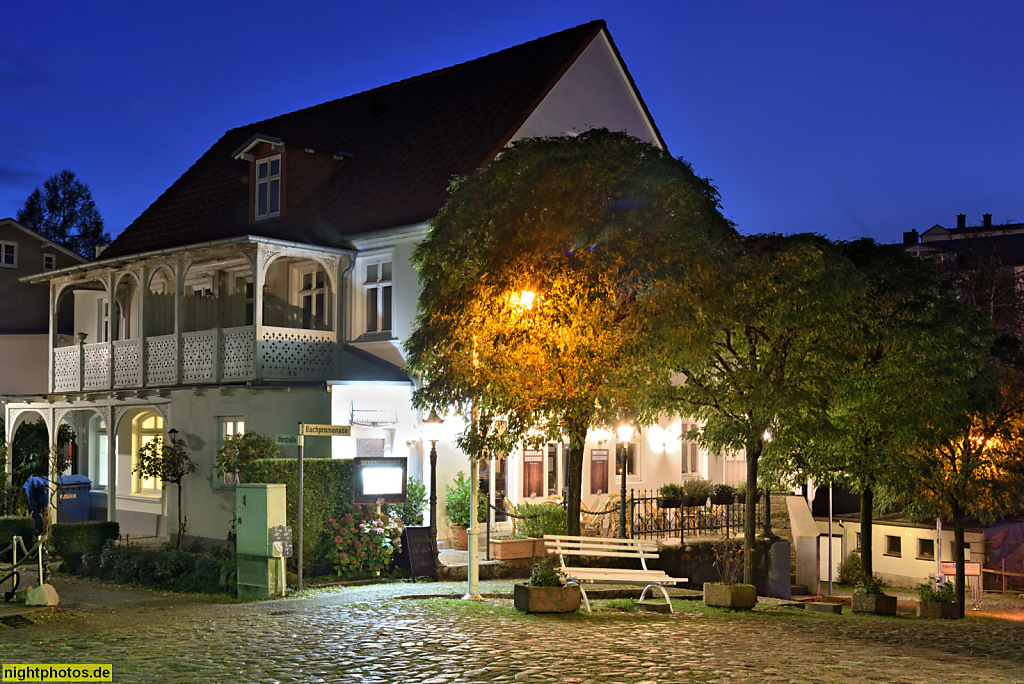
x: 607, y: 233
x: 65, y: 213
x: 976, y: 468
x: 911, y: 350
x: 775, y: 337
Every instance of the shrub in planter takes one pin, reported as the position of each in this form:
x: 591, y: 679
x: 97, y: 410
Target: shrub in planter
x: 723, y: 494
x: 868, y: 597
x: 729, y: 593
x: 73, y: 540
x: 937, y: 602
x: 456, y: 506
x: 849, y: 569
x: 696, y: 491
x: 741, y: 492
x: 546, y: 591
x: 11, y: 525
x: 670, y: 495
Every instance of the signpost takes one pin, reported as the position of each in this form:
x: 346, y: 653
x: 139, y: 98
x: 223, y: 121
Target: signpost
x: 286, y: 440
x: 313, y: 430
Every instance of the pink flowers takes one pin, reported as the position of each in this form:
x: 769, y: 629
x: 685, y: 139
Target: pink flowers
x: 361, y: 546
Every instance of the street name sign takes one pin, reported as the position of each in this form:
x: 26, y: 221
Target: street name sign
x: 313, y: 430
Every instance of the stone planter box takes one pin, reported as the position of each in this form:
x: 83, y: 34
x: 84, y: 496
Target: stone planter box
x: 877, y: 604
x: 509, y: 549
x: 735, y: 596
x: 938, y: 609
x: 546, y: 599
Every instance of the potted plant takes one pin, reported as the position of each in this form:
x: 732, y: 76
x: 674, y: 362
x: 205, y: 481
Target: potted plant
x: 868, y: 597
x: 670, y: 495
x: 741, y: 492
x: 937, y: 602
x: 696, y: 491
x: 729, y: 593
x: 546, y: 591
x: 456, y: 509
x: 533, y: 522
x: 723, y: 494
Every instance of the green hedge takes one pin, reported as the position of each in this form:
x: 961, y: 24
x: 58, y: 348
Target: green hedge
x: 72, y: 540
x: 539, y: 519
x: 11, y: 525
x: 173, y: 570
x: 328, y: 484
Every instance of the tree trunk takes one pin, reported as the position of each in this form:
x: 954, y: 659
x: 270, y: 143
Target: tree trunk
x: 577, y: 440
x: 961, y: 584
x: 750, y: 511
x: 867, y: 502
x: 767, y: 512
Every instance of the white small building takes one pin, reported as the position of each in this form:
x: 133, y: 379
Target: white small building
x: 272, y: 284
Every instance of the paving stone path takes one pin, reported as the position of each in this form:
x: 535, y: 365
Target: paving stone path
x: 363, y: 634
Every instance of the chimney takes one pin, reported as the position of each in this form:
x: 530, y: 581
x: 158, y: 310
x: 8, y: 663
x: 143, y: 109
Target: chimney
x: 910, y: 238
x: 986, y: 220
x: 961, y: 220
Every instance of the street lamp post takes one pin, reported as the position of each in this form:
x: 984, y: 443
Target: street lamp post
x: 625, y: 434
x: 431, y: 427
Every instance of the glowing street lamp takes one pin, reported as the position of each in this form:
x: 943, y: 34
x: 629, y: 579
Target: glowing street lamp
x: 526, y: 298
x: 625, y: 434
x: 431, y: 431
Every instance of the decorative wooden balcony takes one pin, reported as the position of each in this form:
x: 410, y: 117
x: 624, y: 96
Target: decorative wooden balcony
x: 220, y: 355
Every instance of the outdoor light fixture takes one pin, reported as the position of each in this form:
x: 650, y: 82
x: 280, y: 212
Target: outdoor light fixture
x: 173, y: 434
x: 432, y: 432
x: 625, y: 434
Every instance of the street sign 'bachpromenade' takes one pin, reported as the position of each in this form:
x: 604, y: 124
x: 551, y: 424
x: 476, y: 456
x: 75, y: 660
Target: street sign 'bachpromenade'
x: 313, y: 430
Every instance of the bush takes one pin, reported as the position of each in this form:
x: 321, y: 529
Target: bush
x: 944, y: 593
x: 456, y: 502
x: 11, y: 525
x: 238, y: 451
x: 671, y: 490
x: 697, y: 487
x: 71, y: 541
x: 359, y: 545
x: 172, y: 570
x: 849, y: 569
x: 328, y: 495
x: 410, y: 512
x: 539, y: 519
x: 546, y: 574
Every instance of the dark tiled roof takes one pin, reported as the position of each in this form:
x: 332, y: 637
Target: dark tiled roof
x: 1008, y: 249
x: 406, y: 141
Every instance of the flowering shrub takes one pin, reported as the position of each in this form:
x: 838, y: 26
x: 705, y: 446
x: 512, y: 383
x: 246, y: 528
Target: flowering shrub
x: 361, y: 546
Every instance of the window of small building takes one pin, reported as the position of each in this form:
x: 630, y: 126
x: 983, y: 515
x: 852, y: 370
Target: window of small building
x: 858, y: 542
x: 49, y: 262
x: 893, y: 545
x: 268, y: 187
x: 926, y: 549
x: 9, y: 254
x: 377, y: 285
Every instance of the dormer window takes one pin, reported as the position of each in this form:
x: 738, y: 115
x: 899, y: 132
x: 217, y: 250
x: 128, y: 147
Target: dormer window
x: 268, y: 187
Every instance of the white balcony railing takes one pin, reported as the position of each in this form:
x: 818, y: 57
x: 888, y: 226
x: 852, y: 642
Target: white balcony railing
x: 203, y: 357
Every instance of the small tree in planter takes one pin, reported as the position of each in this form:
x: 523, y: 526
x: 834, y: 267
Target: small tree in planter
x: 546, y: 591
x: 723, y: 495
x: 456, y: 508
x: 937, y: 602
x: 670, y: 495
x: 696, y: 491
x: 170, y: 463
x: 729, y: 593
x: 868, y: 597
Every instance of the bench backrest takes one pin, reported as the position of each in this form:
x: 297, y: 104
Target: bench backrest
x: 601, y: 546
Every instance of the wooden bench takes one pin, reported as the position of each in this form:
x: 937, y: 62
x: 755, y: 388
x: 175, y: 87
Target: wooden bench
x: 640, y: 549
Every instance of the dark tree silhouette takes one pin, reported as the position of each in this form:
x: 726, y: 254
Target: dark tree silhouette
x: 65, y: 213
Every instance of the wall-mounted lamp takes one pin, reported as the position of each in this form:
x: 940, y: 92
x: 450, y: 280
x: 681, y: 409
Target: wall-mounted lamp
x: 173, y: 434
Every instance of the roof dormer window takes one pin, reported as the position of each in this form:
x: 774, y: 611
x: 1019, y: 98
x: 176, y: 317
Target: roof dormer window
x: 268, y: 187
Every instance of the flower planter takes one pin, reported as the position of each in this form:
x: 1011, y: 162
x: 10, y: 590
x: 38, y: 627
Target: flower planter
x: 723, y: 500
x: 669, y: 502
x: 691, y: 501
x: 735, y: 596
x: 938, y: 609
x: 460, y: 540
x: 531, y: 599
x: 508, y: 549
x: 742, y: 497
x: 877, y: 604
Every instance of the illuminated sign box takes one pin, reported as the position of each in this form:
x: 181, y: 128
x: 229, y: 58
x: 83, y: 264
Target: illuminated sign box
x: 379, y: 479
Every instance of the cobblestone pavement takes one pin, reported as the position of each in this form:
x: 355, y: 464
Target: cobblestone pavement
x: 362, y: 634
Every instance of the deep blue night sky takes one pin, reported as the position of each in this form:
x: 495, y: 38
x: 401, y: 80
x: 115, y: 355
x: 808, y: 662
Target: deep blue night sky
x: 846, y: 119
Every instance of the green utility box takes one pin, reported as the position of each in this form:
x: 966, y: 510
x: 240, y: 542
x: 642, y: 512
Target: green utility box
x: 258, y: 508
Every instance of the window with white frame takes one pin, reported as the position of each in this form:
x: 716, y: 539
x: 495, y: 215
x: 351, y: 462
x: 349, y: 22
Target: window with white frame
x: 49, y: 262
x: 268, y: 187
x: 9, y: 254
x: 99, y: 447
x: 230, y: 426
x: 311, y: 297
x: 146, y: 428
x: 690, y: 452
x: 630, y: 455
x: 377, y: 286
x: 103, y: 319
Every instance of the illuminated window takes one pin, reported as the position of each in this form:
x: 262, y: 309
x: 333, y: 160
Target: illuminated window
x: 268, y: 187
x: 311, y: 300
x: 631, y: 459
x: 229, y: 427
x: 147, y: 427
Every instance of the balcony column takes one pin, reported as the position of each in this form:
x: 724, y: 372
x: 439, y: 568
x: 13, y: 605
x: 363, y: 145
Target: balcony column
x: 52, y: 386
x: 143, y: 351
x: 178, y: 272
x: 111, y: 318
x: 259, y: 279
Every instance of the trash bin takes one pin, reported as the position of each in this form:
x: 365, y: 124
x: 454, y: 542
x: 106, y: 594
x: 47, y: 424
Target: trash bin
x: 37, y: 491
x: 74, y: 498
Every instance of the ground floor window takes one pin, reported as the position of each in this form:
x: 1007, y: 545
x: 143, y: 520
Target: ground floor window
x: 146, y: 427
x: 926, y: 549
x: 598, y: 471
x: 99, y: 450
x: 230, y: 426
x: 893, y: 546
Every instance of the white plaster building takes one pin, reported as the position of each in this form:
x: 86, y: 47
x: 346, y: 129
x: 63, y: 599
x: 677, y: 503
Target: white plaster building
x: 272, y: 284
